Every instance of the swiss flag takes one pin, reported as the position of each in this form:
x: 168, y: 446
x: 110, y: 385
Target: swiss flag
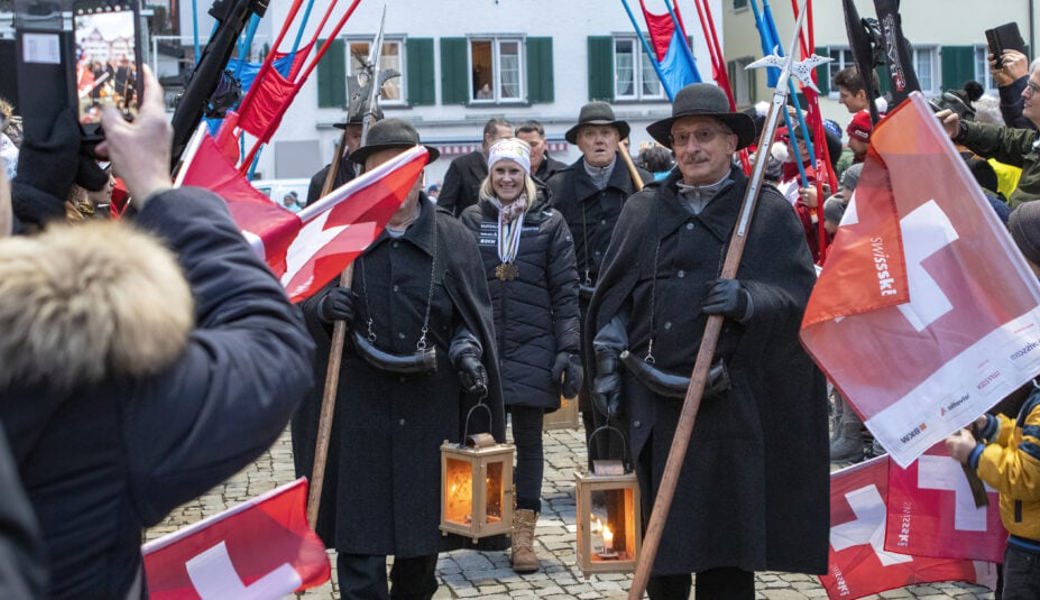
x: 308, y: 249
x: 925, y: 314
x: 262, y: 549
x: 931, y: 512
x: 859, y: 565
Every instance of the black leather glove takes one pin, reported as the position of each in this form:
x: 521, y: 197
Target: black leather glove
x: 568, y: 371
x: 472, y: 375
x: 606, y: 390
x: 337, y: 305
x: 48, y: 168
x: 727, y: 297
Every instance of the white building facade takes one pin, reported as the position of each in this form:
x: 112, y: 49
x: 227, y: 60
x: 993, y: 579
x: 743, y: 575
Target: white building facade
x: 465, y: 61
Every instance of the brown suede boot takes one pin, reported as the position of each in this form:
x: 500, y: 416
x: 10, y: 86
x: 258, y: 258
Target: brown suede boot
x: 523, y: 557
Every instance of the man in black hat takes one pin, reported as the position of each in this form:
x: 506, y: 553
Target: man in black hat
x: 351, y: 137
x: 590, y: 193
x: 465, y: 174
x: 420, y: 353
x: 753, y: 491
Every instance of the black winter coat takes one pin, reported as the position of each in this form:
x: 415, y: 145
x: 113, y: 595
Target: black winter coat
x: 549, y: 167
x: 382, y: 487
x: 23, y: 560
x: 343, y: 175
x: 753, y: 490
x: 462, y: 182
x: 536, y: 314
x: 590, y: 213
x: 102, y: 462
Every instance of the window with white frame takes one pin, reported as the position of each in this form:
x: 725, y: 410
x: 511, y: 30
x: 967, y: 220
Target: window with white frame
x: 497, y: 68
x: 841, y: 58
x: 744, y: 82
x: 392, y: 57
x: 630, y: 82
x: 982, y: 72
x: 926, y: 65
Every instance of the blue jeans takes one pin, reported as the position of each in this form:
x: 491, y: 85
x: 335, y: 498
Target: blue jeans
x: 1021, y: 574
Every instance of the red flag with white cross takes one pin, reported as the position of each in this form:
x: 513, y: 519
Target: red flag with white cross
x: 931, y: 512
x: 925, y: 314
x: 858, y: 564
x: 308, y: 249
x: 261, y: 549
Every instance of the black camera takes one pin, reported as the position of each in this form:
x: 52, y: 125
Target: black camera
x: 959, y: 101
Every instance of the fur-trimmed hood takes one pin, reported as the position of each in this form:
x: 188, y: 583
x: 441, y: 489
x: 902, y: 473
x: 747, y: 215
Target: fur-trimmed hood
x: 79, y: 304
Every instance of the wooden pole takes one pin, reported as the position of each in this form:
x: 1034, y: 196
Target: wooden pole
x: 339, y: 329
x: 709, y: 341
x: 632, y: 170
x: 328, y: 398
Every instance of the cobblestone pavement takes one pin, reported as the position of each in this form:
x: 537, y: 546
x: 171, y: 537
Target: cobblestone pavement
x: 470, y: 574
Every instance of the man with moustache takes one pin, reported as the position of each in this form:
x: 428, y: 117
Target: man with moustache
x: 1016, y: 147
x: 590, y: 194
x: 753, y: 491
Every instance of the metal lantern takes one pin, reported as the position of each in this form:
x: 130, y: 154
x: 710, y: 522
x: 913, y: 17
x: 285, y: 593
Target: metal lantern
x: 476, y: 485
x: 610, y: 527
x: 565, y: 417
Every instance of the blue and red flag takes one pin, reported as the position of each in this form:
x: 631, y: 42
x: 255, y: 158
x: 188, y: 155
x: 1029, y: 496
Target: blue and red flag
x: 672, y: 53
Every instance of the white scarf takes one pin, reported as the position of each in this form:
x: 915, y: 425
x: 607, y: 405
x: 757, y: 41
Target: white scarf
x: 510, y: 224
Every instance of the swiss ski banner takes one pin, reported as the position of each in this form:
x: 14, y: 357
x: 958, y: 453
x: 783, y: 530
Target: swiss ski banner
x: 259, y: 550
x: 925, y: 314
x: 931, y: 512
x: 858, y: 563
x: 308, y: 249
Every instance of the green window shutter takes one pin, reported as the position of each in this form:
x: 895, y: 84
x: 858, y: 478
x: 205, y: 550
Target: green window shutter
x: 419, y: 67
x: 540, y: 69
x: 332, y: 76
x: 958, y: 66
x: 823, y: 72
x: 454, y: 70
x: 601, y: 68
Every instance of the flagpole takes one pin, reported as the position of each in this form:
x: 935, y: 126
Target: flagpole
x: 339, y: 328
x: 706, y: 352
x: 649, y: 52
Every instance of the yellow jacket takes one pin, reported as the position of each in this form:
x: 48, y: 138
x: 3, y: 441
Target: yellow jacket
x: 1010, y: 463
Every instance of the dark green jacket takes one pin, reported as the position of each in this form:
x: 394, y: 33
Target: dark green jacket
x: 1015, y: 147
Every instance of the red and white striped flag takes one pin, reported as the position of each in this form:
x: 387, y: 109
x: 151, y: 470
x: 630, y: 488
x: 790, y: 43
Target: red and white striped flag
x: 259, y: 550
x: 308, y: 249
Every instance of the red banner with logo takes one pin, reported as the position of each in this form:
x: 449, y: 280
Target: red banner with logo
x: 931, y: 512
x: 925, y: 314
x: 859, y: 564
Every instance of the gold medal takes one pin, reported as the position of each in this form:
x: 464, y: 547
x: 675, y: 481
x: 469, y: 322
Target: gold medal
x: 506, y: 271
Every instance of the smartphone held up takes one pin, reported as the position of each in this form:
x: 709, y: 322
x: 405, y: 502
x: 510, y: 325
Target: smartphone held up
x: 108, y: 60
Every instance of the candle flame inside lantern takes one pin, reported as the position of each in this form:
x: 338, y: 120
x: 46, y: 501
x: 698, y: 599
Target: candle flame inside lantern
x: 608, y: 538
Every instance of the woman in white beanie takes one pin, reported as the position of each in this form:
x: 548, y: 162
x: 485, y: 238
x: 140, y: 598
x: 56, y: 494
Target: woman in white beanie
x: 532, y: 276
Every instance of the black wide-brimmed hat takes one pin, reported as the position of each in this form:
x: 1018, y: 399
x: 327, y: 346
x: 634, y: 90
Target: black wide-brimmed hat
x: 703, y: 100
x: 596, y: 113
x: 387, y: 134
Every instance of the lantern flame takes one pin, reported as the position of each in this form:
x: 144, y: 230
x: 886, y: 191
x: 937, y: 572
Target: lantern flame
x: 608, y: 538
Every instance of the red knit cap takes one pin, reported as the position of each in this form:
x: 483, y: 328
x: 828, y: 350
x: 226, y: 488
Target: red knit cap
x: 860, y: 126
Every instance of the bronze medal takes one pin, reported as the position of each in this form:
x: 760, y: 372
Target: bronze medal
x: 506, y: 272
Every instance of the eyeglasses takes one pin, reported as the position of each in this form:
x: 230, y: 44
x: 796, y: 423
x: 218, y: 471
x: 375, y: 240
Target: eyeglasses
x: 701, y: 136
x: 1032, y: 87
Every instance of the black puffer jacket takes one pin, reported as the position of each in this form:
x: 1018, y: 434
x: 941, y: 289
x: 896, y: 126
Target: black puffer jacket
x: 536, y: 314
